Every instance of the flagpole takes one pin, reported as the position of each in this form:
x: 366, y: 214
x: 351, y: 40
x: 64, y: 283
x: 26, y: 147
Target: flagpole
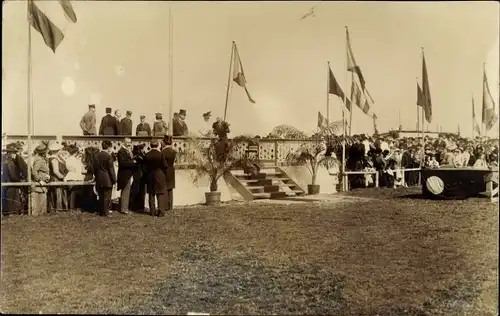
x: 171, y: 71
x: 418, y: 115
x: 229, y: 79
x: 344, y: 178
x: 29, y: 103
x: 328, y: 95
x: 423, y: 121
x: 352, y: 76
x: 482, y: 107
x: 473, y: 114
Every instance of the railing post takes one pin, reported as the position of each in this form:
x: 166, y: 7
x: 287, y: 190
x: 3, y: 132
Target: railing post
x: 376, y: 179
x: 403, y: 177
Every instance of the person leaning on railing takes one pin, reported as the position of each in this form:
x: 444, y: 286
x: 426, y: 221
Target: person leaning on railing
x: 57, y: 195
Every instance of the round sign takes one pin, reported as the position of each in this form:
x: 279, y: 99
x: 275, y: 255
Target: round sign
x: 435, y: 185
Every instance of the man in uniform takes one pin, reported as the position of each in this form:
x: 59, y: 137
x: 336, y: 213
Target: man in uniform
x: 126, y: 124
x: 153, y: 163
x: 168, y: 156
x: 160, y: 128
x: 88, y: 121
x: 143, y: 129
x: 109, y: 125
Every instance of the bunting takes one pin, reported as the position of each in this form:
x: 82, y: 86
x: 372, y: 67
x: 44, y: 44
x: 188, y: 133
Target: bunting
x: 489, y: 116
x: 239, y: 74
x: 51, y: 34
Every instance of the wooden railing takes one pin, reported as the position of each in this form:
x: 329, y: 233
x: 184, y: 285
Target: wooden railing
x: 346, y: 175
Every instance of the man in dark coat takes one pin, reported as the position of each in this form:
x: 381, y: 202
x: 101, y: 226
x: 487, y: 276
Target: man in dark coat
x: 156, y: 179
x: 126, y: 169
x: 179, y: 126
x: 160, y: 128
x: 143, y: 129
x: 11, y: 195
x: 168, y: 157
x: 105, y: 177
x: 126, y: 124
x: 139, y: 182
x: 109, y: 125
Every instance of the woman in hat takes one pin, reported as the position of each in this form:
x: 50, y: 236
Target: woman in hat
x: 11, y: 195
x: 75, y: 173
x: 40, y: 173
x: 206, y: 130
x: 58, y: 171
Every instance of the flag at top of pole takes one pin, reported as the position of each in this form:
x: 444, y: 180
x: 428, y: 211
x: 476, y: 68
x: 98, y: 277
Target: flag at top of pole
x: 426, y: 102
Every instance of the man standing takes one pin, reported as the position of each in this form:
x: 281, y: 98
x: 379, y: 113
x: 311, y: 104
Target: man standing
x: 160, y: 128
x: 105, y: 177
x: 109, y: 125
x: 126, y: 169
x: 118, y: 117
x: 168, y: 156
x: 155, y: 179
x: 126, y: 124
x: 179, y: 126
x: 11, y: 195
x: 143, y: 129
x: 88, y: 121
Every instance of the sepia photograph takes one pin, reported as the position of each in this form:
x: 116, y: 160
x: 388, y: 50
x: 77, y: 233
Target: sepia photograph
x: 250, y: 157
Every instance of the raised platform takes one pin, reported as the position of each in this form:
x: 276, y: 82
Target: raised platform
x: 458, y: 183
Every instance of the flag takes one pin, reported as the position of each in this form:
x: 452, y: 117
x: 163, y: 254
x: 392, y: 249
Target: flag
x: 426, y: 94
x: 489, y: 116
x: 420, y: 96
x: 51, y: 34
x: 322, y: 122
x: 359, y: 98
x: 239, y: 74
x: 476, y: 126
x: 352, y: 66
x: 334, y: 88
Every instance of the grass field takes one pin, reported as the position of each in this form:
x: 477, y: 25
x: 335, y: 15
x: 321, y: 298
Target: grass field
x: 385, y: 252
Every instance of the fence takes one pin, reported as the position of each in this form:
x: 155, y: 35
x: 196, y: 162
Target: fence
x: 346, y: 175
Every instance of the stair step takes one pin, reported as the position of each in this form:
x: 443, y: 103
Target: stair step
x: 261, y: 195
x: 255, y: 187
x: 248, y: 180
x: 278, y: 195
x: 271, y: 188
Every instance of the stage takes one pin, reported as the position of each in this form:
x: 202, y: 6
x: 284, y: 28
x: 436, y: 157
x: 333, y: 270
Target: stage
x: 459, y: 183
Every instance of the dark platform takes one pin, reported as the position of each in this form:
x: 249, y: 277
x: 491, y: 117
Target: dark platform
x: 454, y: 183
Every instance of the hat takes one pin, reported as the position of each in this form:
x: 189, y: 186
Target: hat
x: 55, y: 147
x: 167, y: 139
x: 72, y: 149
x: 108, y: 110
x: 182, y: 112
x: 91, y: 106
x: 158, y: 116
x: 209, y: 113
x: 11, y: 148
x: 154, y: 142
x: 129, y: 113
x: 41, y: 148
x: 143, y: 117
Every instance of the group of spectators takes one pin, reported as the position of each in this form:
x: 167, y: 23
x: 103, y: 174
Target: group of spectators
x: 388, y: 156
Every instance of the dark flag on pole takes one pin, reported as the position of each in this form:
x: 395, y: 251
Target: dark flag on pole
x: 239, y: 75
x: 426, y: 93
x: 420, y: 96
x: 334, y: 88
x: 51, y: 34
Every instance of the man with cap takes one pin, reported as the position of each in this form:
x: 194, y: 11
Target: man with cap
x: 143, y: 129
x: 109, y: 125
x: 40, y: 173
x: 179, y: 126
x: 126, y: 124
x: 105, y: 177
x: 11, y: 195
x: 156, y: 181
x: 160, y: 128
x: 88, y: 121
x: 168, y: 155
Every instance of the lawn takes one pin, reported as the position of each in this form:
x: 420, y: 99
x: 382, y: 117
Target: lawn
x: 378, y: 252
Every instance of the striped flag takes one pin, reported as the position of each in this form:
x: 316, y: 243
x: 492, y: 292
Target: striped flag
x: 238, y: 73
x: 489, y: 117
x: 38, y: 17
x: 476, y: 126
x: 352, y: 66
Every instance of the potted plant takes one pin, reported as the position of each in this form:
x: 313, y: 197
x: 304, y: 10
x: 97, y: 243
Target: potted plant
x: 312, y: 155
x: 213, y: 159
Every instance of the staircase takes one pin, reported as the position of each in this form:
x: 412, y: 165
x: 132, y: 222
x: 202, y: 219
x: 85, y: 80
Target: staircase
x: 271, y: 183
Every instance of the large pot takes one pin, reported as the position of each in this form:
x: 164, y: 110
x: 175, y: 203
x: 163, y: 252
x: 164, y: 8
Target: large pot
x: 212, y: 198
x: 313, y: 189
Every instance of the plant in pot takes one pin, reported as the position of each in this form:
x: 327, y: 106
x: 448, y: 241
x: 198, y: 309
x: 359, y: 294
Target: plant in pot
x: 312, y: 155
x: 213, y: 159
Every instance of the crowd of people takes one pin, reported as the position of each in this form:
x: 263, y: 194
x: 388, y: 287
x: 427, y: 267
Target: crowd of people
x: 129, y: 175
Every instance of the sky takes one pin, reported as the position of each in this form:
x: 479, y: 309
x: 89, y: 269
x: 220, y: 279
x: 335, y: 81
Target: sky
x: 116, y: 56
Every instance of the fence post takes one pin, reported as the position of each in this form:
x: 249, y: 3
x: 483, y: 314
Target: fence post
x: 376, y: 179
x: 403, y: 177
